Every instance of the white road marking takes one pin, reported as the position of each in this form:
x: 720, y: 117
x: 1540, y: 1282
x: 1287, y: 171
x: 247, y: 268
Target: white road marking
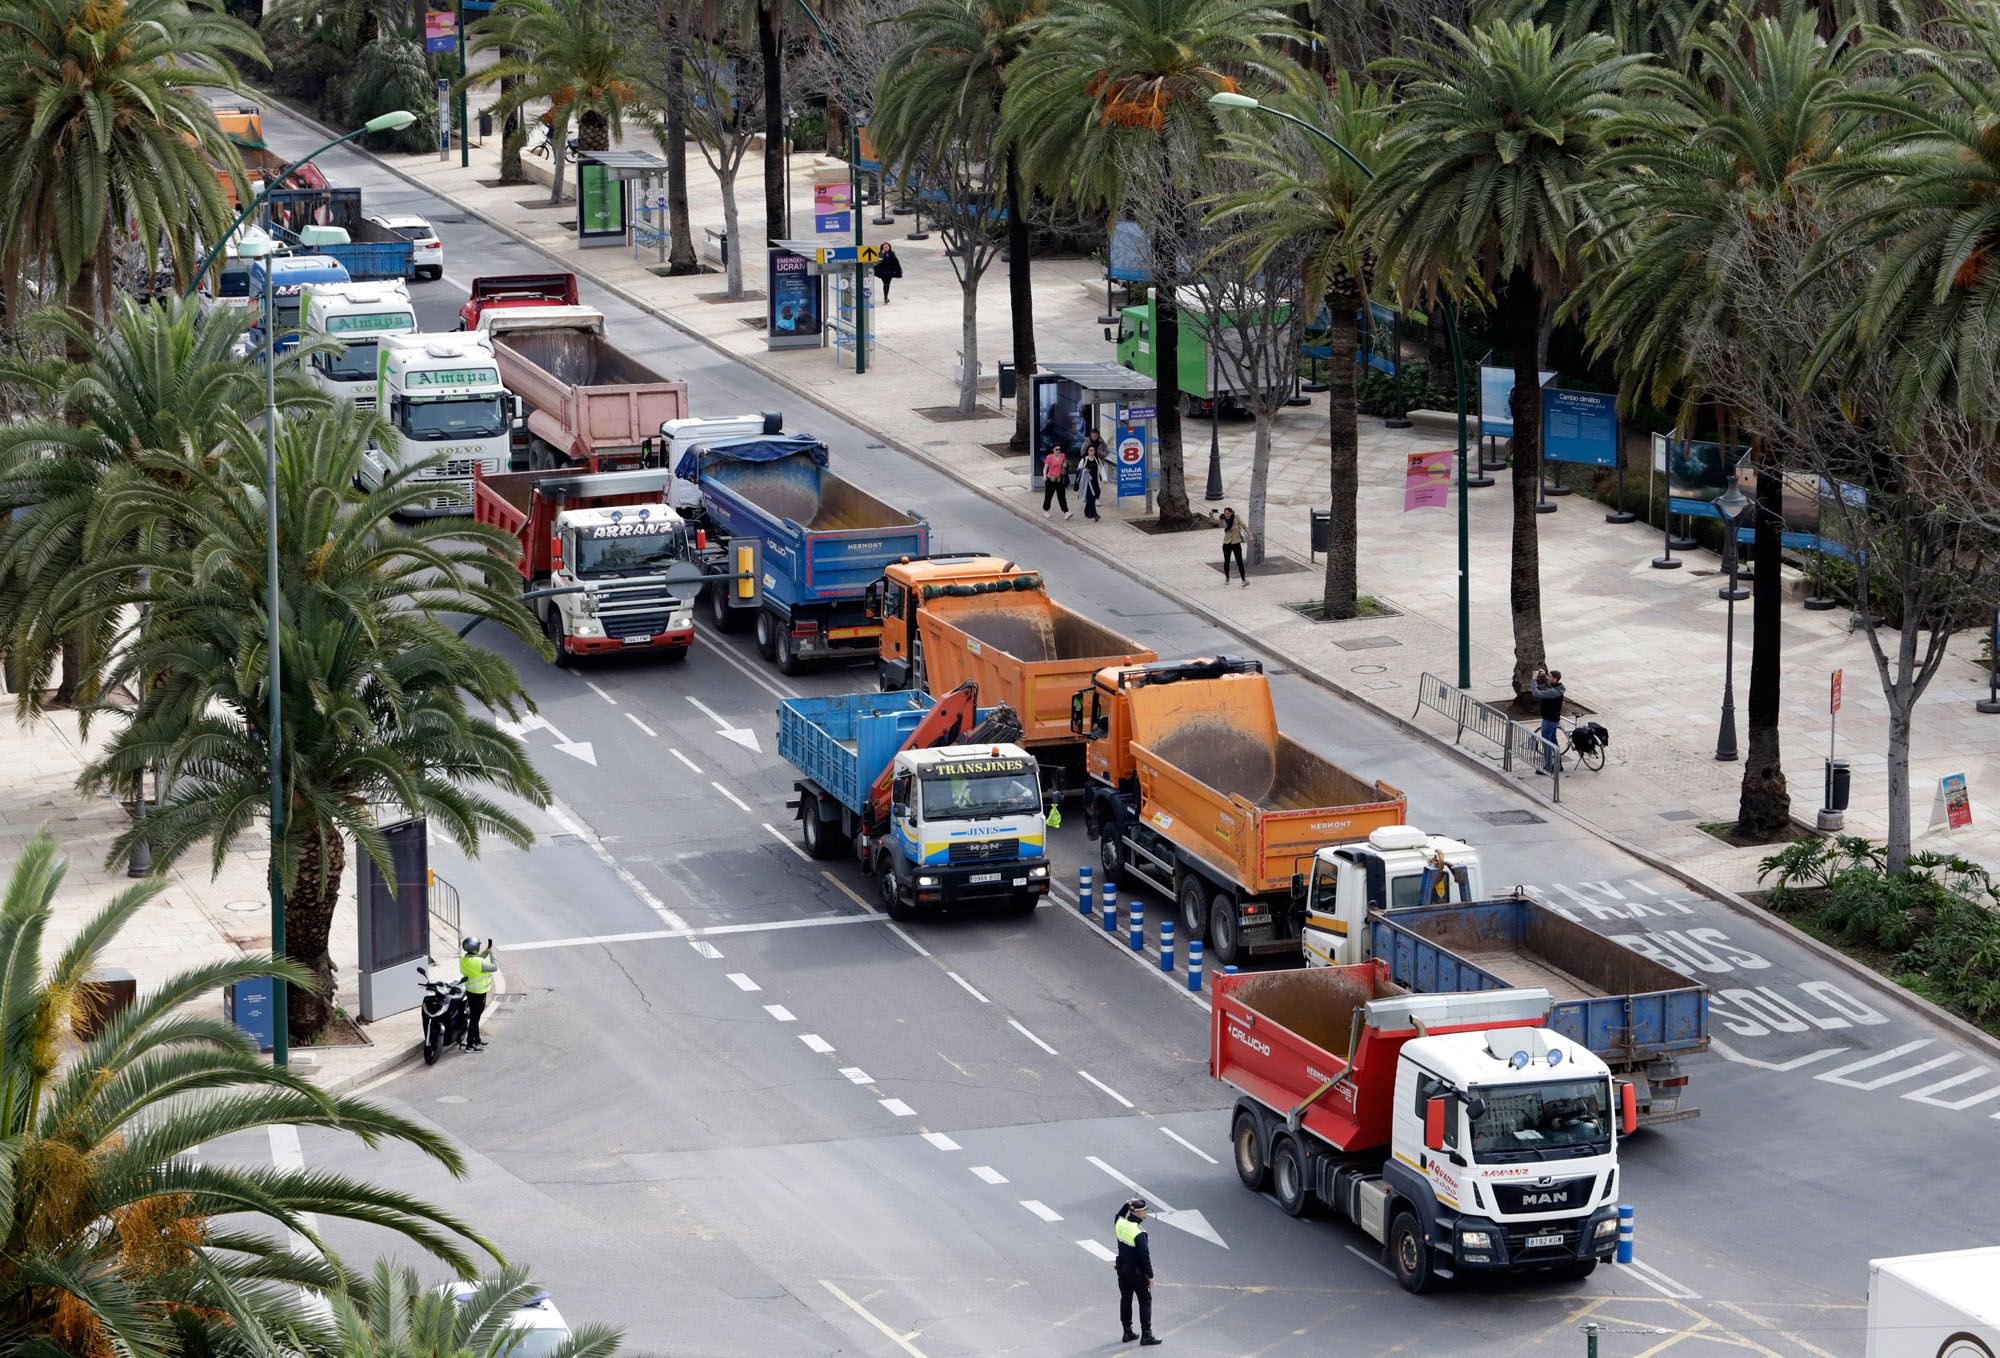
x: 1925, y: 1094
x: 1041, y: 1210
x: 1730, y: 1053
x: 692, y: 766
x: 1148, y: 960
x: 728, y: 730
x: 601, y: 693
x: 856, y: 1075
x: 1106, y: 1088
x: 289, y: 1156
x: 1841, y: 1075
x: 570, y: 822
x: 741, y: 805
x: 967, y: 986
x: 535, y: 721
x: 1015, y: 1024
x: 728, y: 657
x: 988, y: 1174
x: 898, y: 1108
x: 901, y: 1341
x: 708, y: 950
x: 642, y: 726
x: 1181, y: 1218
x: 1661, y: 1283
x: 1369, y: 1260
x: 742, y: 982
x: 1100, y: 1249
x: 780, y: 1013
x: 817, y: 1043
x: 894, y: 928
x: 710, y: 931
x: 1175, y: 1136
x: 941, y: 1141
x: 787, y: 841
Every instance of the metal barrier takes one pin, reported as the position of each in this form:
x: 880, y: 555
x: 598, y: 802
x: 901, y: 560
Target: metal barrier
x: 1521, y: 747
x: 444, y: 904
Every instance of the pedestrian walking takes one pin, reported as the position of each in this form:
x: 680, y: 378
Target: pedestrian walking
x: 1232, y: 546
x: 1548, y: 691
x: 1055, y: 481
x: 1135, y: 1270
x: 476, y: 966
x: 1090, y: 476
x: 888, y: 269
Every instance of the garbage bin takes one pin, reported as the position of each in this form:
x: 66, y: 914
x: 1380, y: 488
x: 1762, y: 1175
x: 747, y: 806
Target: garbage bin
x: 485, y: 124
x: 249, y: 1005
x: 1009, y: 382
x: 1838, y: 778
x: 103, y: 995
x: 1321, y: 532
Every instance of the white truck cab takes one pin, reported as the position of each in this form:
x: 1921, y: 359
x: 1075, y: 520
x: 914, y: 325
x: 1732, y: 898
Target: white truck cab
x: 677, y: 436
x: 968, y: 823
x: 442, y: 395
x: 640, y: 583
x: 1396, y: 866
x: 354, y: 318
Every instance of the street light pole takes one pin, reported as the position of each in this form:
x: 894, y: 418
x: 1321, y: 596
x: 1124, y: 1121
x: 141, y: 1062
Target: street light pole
x: 1729, y: 506
x: 1230, y: 99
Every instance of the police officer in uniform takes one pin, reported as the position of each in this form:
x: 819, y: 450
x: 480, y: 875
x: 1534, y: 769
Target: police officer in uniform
x: 1135, y: 1270
x: 476, y: 966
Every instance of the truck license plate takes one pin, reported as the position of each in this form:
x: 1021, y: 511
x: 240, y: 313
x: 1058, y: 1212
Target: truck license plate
x: 981, y: 878
x: 637, y: 641
x: 1536, y: 1242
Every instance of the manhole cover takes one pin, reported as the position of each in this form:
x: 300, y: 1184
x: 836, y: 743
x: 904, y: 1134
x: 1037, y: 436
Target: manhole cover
x: 452, y: 1098
x: 1680, y: 815
x: 247, y: 907
x: 1509, y: 817
x: 455, y: 221
x: 874, y: 445
x: 1367, y: 643
x: 1368, y: 669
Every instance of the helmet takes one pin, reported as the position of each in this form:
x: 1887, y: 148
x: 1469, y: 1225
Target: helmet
x: 469, y: 944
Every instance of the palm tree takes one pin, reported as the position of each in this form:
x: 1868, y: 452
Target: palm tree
x: 159, y: 379
x: 112, y: 1239
x: 1709, y: 160
x: 1109, y: 106
x: 1492, y: 144
x: 391, y: 1314
x: 564, y: 52
x: 943, y: 84
x: 1308, y: 192
x: 105, y: 131
x: 384, y: 703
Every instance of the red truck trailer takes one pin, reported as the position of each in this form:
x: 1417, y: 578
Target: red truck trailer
x: 503, y: 291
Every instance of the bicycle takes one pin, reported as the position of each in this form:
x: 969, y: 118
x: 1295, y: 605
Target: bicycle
x: 542, y: 146
x: 1589, y: 750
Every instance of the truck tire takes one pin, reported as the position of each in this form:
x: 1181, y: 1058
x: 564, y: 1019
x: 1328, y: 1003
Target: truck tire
x: 893, y: 904
x: 1225, y: 931
x: 787, y: 652
x: 1409, y: 1256
x: 882, y: 679
x: 674, y: 655
x: 767, y: 634
x: 820, y: 841
x: 1024, y: 904
x: 552, y: 629
x: 725, y: 618
x: 1288, y: 1177
x: 1578, y: 1271
x: 1251, y: 1167
x: 1192, y: 903
x: 1110, y: 853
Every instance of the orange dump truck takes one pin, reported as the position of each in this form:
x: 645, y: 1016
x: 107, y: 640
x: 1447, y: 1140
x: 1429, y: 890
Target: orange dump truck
x: 950, y: 619
x: 1194, y: 792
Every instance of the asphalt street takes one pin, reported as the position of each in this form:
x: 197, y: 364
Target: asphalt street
x: 739, y: 1113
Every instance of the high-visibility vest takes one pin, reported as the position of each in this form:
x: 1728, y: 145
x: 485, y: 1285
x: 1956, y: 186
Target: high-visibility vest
x: 1128, y: 1231
x: 478, y: 973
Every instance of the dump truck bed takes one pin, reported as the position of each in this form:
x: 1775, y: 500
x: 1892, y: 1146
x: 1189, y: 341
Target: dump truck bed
x: 509, y: 501
x: 843, y: 743
x: 587, y: 398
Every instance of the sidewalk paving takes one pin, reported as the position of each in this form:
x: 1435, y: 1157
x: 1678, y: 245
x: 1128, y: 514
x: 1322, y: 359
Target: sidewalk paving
x: 1642, y: 648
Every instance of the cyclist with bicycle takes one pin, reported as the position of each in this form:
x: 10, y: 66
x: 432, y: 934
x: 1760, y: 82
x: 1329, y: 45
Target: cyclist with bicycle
x: 1548, y: 691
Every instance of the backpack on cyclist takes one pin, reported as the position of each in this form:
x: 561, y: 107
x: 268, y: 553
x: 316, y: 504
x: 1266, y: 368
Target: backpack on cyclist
x: 1588, y: 737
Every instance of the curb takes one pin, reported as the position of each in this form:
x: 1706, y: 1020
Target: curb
x: 1867, y: 975
x: 392, y: 1059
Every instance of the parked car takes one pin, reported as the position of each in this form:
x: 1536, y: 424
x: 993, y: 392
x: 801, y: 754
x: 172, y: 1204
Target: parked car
x: 427, y: 250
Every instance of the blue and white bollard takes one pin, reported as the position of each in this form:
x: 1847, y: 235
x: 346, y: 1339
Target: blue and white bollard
x: 1624, y: 1234
x: 1194, y: 965
x: 1166, y: 945
x: 1138, y: 926
x: 1109, y: 897
x: 1083, y: 890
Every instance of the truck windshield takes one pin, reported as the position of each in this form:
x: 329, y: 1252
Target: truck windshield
x: 640, y: 552
x: 1554, y: 1121
x: 353, y: 362
x: 457, y: 417
x: 981, y: 796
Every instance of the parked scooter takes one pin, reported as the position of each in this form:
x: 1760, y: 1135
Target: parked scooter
x: 444, y: 1013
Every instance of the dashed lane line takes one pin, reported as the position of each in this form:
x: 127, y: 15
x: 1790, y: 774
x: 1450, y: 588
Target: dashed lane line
x: 743, y: 982
x: 894, y: 928
x: 1017, y: 1026
x: 787, y: 841
x: 574, y: 824
x: 1042, y: 1210
x: 941, y: 1141
x: 780, y: 1013
x: 1098, y: 1248
x: 901, y: 1341
x: 967, y: 987
x: 642, y: 725
x: 988, y: 1174
x: 856, y: 1075
x: 1177, y: 1138
x: 1123, y: 1101
x: 741, y: 805
x: 814, y: 1042
x: 1369, y: 1260
x: 706, y: 949
x: 729, y: 657
x: 898, y: 1108
x: 692, y: 766
x: 601, y: 693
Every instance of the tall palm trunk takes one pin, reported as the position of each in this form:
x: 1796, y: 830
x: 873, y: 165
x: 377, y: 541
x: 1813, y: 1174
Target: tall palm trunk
x: 312, y: 897
x: 680, y: 251
x: 1020, y: 299
x: 769, y: 27
x: 1765, y: 803
x: 1343, y: 550
x: 558, y: 152
x: 511, y: 135
x: 1174, y: 510
x: 82, y: 298
x: 1524, y: 591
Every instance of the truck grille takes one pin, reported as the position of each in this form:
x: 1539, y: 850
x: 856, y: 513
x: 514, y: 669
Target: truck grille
x: 983, y: 850
x: 1517, y: 1242
x: 1557, y: 1196
x: 622, y: 625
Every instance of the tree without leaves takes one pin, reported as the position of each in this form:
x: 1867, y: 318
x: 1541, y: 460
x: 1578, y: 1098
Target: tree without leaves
x: 727, y: 86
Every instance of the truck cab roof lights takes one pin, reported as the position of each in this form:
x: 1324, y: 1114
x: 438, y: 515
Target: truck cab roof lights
x: 1391, y: 837
x: 1475, y: 1009
x: 1520, y: 1047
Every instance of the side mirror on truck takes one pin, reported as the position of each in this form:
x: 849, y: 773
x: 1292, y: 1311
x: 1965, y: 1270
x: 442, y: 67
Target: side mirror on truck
x: 1628, y: 1107
x: 1076, y: 712
x: 871, y: 602
x: 1435, y: 1112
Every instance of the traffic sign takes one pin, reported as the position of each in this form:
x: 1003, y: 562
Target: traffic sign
x: 837, y: 254
x: 866, y: 254
x: 1836, y: 691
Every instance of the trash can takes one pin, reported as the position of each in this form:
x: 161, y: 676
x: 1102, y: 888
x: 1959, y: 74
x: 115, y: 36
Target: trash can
x: 1009, y: 382
x: 249, y: 1005
x: 1837, y: 782
x: 1320, y: 531
x: 485, y: 124
x: 103, y: 995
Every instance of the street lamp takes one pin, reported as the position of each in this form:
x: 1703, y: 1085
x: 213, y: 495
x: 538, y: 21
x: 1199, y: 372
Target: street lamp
x: 386, y: 122
x: 1230, y: 99
x: 1730, y: 506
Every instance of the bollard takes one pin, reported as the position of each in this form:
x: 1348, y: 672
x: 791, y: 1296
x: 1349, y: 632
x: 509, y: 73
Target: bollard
x: 1138, y: 925
x: 1591, y: 1330
x: 1083, y: 890
x: 1109, y: 896
x: 1624, y: 1234
x: 1194, y: 964
x: 1166, y: 945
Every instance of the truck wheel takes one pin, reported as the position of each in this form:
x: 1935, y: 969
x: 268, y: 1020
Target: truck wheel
x: 1192, y: 900
x: 767, y: 635
x: 1025, y: 904
x: 1110, y: 852
x: 674, y: 655
x: 787, y: 652
x: 1409, y: 1256
x: 882, y: 679
x: 891, y: 889
x: 1288, y: 1177
x: 1250, y: 1165
x: 820, y: 841
x: 1225, y: 937
x: 725, y: 618
x: 552, y: 629
x: 1578, y: 1271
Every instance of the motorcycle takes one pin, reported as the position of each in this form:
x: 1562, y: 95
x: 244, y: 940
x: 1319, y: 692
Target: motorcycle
x: 444, y: 1013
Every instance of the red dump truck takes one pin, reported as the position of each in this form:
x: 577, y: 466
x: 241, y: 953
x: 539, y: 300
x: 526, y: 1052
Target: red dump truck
x: 1194, y: 792
x: 951, y: 619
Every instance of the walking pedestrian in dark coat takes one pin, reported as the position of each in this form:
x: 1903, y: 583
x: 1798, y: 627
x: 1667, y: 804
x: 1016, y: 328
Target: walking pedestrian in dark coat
x: 1090, y: 476
x: 1135, y: 1270
x: 888, y: 269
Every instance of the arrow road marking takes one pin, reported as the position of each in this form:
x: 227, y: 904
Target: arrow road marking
x: 742, y: 735
x: 535, y: 721
x: 1186, y: 1219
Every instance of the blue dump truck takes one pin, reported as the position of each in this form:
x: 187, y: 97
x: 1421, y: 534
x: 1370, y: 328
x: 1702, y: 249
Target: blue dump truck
x: 289, y: 275
x: 1639, y: 1015
x: 899, y: 783
x: 329, y: 222
x: 825, y: 540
